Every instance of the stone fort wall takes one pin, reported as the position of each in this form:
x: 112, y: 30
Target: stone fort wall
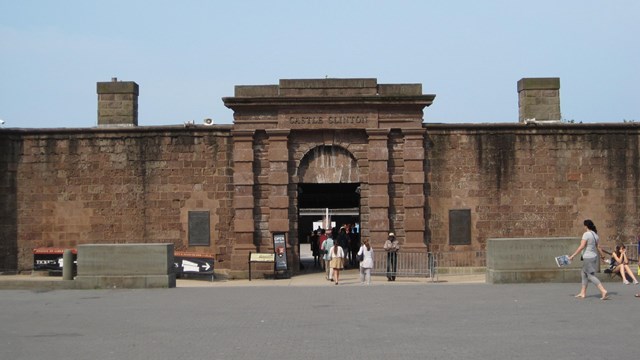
x: 534, y: 181
x: 63, y: 188
x: 445, y: 187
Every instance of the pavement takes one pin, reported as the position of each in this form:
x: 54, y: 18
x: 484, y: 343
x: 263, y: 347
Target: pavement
x: 348, y: 277
x: 285, y: 319
x: 307, y: 317
x: 312, y: 276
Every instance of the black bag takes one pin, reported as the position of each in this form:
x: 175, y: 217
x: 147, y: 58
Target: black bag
x: 361, y: 255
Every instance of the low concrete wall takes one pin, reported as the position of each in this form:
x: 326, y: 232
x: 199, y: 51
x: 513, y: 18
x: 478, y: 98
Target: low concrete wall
x: 125, y: 266
x: 531, y: 260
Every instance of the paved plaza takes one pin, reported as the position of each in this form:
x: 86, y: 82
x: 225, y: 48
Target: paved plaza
x: 313, y: 319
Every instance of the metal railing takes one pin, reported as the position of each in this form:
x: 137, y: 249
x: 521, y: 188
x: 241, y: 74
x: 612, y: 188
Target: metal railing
x: 461, y: 262
x: 469, y: 258
x: 421, y: 264
x: 428, y: 264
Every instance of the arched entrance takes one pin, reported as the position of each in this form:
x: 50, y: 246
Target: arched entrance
x: 328, y: 194
x: 305, y: 147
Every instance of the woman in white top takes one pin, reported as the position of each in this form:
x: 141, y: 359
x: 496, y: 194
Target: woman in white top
x: 336, y: 260
x: 367, y: 262
x: 591, y: 245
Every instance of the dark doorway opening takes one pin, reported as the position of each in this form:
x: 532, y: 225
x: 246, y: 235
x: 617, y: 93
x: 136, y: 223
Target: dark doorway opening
x: 323, y: 196
x: 340, y: 201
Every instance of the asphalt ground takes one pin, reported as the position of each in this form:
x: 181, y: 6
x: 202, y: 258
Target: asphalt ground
x: 278, y: 319
x: 307, y: 317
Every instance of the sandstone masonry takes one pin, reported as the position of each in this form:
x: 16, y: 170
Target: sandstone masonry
x: 129, y: 184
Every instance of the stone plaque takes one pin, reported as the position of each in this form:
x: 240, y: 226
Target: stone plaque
x: 199, y: 234
x: 460, y: 227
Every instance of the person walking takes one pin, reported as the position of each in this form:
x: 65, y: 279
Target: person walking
x: 336, y: 255
x: 590, y: 243
x: 366, y: 253
x: 391, y: 246
x: 327, y: 244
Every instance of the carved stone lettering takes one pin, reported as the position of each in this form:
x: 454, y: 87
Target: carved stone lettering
x: 327, y: 121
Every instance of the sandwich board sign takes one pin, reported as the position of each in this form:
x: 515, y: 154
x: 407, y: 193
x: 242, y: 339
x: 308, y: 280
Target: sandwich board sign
x: 280, y: 249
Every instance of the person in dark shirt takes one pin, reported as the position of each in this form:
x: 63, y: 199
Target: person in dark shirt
x: 315, y: 248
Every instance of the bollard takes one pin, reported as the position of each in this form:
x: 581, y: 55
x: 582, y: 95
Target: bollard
x: 67, y: 265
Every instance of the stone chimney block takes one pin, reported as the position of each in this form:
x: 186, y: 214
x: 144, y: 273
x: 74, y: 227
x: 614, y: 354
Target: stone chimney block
x: 539, y: 99
x: 117, y: 103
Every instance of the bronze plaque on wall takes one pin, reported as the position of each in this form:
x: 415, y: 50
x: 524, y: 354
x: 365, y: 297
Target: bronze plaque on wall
x: 460, y: 227
x: 199, y: 228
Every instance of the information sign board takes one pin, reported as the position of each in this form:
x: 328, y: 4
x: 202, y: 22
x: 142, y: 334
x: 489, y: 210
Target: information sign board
x: 280, y: 250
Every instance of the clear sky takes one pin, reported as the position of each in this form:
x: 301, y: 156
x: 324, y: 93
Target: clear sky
x: 187, y: 55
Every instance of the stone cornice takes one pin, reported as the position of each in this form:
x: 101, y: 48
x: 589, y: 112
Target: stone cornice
x: 237, y: 103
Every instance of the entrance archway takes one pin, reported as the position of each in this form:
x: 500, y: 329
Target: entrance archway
x: 328, y: 195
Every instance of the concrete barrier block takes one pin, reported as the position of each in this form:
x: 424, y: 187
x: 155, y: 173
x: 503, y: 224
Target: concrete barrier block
x: 125, y: 266
x: 125, y: 259
x: 126, y: 282
x: 531, y: 260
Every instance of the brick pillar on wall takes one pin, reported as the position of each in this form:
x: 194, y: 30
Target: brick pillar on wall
x: 539, y: 99
x: 243, y: 199
x: 117, y: 103
x: 278, y: 181
x: 278, y: 188
x: 378, y: 154
x: 414, y: 181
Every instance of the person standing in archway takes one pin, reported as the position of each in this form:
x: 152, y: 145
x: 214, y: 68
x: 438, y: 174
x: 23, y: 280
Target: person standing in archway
x: 336, y: 255
x: 366, y: 253
x: 391, y: 246
x: 343, y: 241
x: 327, y: 244
x: 354, y: 243
x: 315, y: 249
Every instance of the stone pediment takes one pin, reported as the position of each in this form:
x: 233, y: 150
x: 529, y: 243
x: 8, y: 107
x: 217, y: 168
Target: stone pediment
x: 334, y: 104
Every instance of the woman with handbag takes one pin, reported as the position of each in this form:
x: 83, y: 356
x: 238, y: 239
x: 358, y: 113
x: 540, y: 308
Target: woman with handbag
x: 591, y: 244
x: 336, y: 260
x: 365, y: 256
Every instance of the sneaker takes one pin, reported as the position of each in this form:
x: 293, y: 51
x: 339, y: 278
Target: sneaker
x: 635, y: 282
x: 625, y: 282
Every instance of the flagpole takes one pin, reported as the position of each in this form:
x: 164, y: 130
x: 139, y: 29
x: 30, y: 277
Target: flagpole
x: 326, y: 219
